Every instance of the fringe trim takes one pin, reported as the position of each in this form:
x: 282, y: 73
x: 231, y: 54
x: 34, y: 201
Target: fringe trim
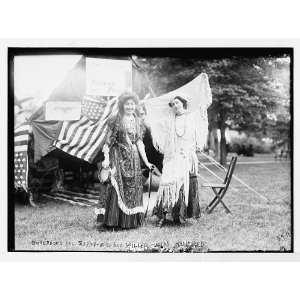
x: 168, y: 194
x: 122, y: 206
x: 193, y: 163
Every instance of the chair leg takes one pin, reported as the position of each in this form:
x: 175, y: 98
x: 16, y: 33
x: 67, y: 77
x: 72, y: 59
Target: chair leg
x: 211, y: 203
x: 226, y: 208
x: 213, y: 206
x: 218, y: 198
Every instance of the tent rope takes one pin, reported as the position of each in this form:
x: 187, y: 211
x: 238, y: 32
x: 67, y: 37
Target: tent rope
x: 214, y: 174
x: 204, y: 179
x: 215, y: 163
x: 238, y: 179
x: 211, y: 172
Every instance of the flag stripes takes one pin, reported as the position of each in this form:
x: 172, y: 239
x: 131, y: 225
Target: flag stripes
x: 22, y: 136
x: 85, y: 138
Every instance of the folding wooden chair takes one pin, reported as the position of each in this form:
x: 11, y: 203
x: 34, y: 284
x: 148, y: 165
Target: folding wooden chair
x: 220, y: 188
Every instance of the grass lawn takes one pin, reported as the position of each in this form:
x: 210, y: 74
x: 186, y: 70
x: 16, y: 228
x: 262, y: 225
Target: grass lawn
x: 253, y: 225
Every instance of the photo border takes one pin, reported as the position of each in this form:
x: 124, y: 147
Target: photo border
x: 10, y: 145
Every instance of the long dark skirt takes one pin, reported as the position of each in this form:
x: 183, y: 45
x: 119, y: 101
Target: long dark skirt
x: 178, y: 211
x: 114, y: 217
x: 193, y: 209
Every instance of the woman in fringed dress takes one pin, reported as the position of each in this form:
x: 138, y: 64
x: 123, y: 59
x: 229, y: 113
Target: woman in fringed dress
x: 178, y: 192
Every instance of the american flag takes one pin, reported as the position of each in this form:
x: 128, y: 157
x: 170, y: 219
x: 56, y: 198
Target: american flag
x: 92, y: 108
x: 85, y: 137
x: 22, y: 136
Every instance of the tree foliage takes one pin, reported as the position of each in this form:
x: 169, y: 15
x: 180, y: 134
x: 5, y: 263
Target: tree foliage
x: 246, y: 91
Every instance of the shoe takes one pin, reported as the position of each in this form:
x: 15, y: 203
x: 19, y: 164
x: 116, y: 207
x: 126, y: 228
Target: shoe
x: 160, y: 223
x: 100, y: 218
x: 100, y: 227
x: 181, y: 220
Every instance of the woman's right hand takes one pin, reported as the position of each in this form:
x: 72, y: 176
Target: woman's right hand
x: 105, y: 164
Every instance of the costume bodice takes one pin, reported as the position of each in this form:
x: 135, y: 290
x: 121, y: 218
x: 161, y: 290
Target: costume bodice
x: 185, y: 139
x: 125, y: 133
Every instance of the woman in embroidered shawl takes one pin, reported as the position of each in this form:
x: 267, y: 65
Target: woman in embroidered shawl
x: 122, y: 152
x: 178, y: 190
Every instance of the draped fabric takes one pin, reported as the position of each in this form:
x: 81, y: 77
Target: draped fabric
x: 21, y: 144
x: 44, y: 134
x: 159, y: 113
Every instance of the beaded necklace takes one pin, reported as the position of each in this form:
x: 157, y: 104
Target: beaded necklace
x: 129, y: 124
x: 184, y: 126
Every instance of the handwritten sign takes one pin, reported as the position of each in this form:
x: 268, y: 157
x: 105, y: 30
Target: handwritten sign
x: 108, y: 77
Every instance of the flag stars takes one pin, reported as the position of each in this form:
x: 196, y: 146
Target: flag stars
x: 20, y: 169
x: 92, y: 110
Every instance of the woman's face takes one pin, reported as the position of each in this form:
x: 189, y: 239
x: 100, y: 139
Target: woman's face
x: 129, y: 107
x: 177, y: 106
x: 142, y: 113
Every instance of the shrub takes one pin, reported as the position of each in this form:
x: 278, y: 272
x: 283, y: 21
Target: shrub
x: 258, y: 145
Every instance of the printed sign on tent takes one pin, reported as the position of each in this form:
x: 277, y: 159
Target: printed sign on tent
x: 108, y: 77
x: 63, y: 110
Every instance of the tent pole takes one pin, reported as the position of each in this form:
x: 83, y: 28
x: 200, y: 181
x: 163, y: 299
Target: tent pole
x: 144, y: 74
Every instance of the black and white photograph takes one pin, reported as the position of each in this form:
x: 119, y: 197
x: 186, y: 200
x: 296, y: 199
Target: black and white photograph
x: 150, y: 150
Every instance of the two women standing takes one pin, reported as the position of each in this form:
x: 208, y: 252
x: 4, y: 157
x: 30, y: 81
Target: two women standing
x: 178, y: 190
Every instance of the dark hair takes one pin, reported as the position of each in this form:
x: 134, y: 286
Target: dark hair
x: 142, y: 106
x: 182, y: 100
x: 124, y: 97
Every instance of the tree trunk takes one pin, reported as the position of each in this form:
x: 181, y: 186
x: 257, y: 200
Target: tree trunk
x: 216, y: 141
x: 213, y: 142
x: 223, y: 150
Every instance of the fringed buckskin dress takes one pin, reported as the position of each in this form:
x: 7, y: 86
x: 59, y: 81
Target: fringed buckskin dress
x: 124, y: 204
x: 178, y: 192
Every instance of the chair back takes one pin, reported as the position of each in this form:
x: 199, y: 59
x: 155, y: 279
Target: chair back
x: 230, y: 171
